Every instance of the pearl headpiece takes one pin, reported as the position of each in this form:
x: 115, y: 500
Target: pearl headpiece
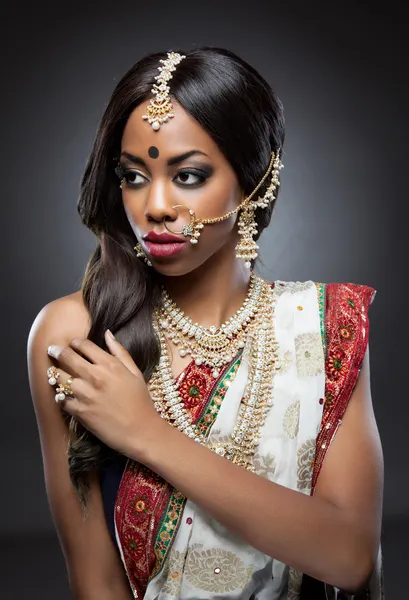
x: 160, y: 108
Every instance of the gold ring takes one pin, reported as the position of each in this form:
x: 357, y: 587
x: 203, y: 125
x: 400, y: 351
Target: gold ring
x: 64, y: 390
x: 67, y: 387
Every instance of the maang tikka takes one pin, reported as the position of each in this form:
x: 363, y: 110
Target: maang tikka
x: 160, y: 108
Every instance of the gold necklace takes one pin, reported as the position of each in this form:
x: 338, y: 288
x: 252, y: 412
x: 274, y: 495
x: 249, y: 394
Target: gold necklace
x: 257, y: 398
x: 213, y: 346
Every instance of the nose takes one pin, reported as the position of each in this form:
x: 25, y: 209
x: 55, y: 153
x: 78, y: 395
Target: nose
x: 158, y: 206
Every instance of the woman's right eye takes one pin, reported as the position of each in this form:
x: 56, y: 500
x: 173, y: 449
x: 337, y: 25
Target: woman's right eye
x: 131, y: 178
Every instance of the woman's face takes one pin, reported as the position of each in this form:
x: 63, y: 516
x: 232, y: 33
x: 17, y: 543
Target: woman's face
x: 158, y: 176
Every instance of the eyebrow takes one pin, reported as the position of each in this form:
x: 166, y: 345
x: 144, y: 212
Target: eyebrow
x: 171, y: 161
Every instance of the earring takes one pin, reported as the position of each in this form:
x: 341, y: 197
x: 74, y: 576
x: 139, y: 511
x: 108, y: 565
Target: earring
x: 141, y: 254
x: 246, y: 248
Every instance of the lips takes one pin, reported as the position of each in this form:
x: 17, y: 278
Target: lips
x: 162, y: 238
x: 163, y: 244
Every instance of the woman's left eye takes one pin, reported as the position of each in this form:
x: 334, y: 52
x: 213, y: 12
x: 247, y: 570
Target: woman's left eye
x: 185, y: 175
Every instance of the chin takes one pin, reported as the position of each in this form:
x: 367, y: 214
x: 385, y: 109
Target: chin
x: 177, y: 268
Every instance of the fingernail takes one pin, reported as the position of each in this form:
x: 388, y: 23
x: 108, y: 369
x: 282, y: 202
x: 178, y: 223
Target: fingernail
x: 111, y: 335
x: 51, y: 351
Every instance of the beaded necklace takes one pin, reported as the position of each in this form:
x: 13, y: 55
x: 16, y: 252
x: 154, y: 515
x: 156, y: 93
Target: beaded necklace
x: 213, y: 346
x: 256, y: 401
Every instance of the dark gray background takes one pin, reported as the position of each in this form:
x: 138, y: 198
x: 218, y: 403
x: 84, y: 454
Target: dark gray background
x: 339, y: 69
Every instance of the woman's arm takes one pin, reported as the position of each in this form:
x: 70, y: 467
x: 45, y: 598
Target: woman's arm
x: 94, y: 568
x: 332, y: 536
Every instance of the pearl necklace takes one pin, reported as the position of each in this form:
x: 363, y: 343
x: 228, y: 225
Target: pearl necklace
x: 255, y: 403
x: 213, y: 346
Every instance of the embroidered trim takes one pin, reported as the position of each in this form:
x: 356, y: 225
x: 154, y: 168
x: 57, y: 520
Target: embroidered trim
x: 141, y: 496
x: 347, y: 331
x: 321, y: 292
x: 212, y: 408
x: 167, y: 529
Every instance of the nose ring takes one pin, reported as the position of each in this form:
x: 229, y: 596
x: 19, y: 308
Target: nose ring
x: 187, y: 230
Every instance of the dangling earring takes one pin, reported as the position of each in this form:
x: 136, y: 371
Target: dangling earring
x: 141, y: 254
x: 246, y: 248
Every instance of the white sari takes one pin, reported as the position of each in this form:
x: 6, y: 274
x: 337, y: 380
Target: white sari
x: 207, y: 561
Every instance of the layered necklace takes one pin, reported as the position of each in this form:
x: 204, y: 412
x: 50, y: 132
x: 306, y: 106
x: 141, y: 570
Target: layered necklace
x: 212, y: 346
x: 257, y: 317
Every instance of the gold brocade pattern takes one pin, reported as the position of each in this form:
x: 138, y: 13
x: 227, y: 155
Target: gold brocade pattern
x: 305, y: 457
x: 309, y: 354
x: 294, y: 584
x: 292, y: 286
x: 265, y: 465
x: 216, y: 570
x: 291, y: 420
x: 174, y: 573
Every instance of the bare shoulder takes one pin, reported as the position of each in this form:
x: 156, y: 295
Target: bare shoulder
x: 61, y: 320
x: 94, y: 566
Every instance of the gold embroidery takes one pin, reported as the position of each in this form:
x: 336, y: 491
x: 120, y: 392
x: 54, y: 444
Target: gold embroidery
x: 200, y: 570
x: 291, y: 420
x: 305, y: 456
x: 309, y: 354
x: 294, y: 584
x: 292, y: 286
x: 265, y: 465
x: 173, y: 570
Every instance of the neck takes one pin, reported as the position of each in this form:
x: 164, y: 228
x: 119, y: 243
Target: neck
x: 213, y: 292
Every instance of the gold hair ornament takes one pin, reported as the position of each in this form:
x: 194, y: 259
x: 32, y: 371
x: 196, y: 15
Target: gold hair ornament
x: 246, y: 248
x: 160, y: 108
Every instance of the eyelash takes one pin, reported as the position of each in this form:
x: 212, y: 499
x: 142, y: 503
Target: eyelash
x: 122, y: 174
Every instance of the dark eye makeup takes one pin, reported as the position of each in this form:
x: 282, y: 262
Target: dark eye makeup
x: 181, y: 178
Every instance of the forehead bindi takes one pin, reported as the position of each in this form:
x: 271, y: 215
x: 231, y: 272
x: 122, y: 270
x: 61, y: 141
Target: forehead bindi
x: 153, y: 152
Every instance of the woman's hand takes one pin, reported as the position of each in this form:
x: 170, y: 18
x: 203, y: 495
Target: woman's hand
x: 110, y: 397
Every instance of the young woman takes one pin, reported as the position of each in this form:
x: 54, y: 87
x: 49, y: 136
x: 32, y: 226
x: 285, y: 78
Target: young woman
x: 223, y: 444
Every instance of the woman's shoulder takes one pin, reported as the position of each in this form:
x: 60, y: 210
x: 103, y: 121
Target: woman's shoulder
x: 61, y: 320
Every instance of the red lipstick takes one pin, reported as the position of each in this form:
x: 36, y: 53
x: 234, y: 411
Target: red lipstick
x: 162, y: 238
x: 163, y: 244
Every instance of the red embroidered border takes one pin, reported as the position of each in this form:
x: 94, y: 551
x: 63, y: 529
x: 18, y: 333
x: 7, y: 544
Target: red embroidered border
x: 347, y: 331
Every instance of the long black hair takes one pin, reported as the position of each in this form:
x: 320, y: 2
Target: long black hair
x: 243, y: 115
